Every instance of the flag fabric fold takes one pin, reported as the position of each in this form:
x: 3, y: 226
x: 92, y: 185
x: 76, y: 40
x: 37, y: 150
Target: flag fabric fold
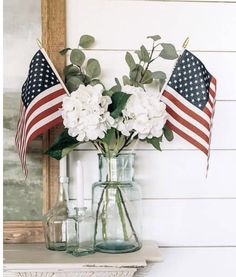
x: 190, y: 97
x: 41, y: 100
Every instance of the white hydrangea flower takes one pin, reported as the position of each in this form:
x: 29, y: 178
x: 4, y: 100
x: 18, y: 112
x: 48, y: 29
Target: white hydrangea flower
x: 85, y: 113
x: 144, y: 114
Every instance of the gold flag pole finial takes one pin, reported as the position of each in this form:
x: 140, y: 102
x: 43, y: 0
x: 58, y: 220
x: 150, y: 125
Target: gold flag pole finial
x: 39, y: 43
x: 185, y: 44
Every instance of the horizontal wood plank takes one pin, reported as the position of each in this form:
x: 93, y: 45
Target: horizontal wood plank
x: 189, y: 222
x: 170, y: 174
x: 125, y: 25
x: 194, y: 262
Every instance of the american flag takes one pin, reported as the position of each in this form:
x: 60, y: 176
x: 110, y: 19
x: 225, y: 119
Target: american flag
x: 190, y: 97
x: 41, y: 100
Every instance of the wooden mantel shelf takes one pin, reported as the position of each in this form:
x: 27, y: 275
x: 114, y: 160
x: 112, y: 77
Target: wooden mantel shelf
x: 36, y: 260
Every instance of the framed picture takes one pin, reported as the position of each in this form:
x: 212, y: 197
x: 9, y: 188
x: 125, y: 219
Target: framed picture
x: 24, y: 230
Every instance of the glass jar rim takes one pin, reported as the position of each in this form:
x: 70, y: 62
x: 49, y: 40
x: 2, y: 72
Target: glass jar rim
x: 120, y: 154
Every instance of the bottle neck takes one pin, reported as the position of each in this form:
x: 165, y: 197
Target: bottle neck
x: 116, y: 169
x: 62, y: 195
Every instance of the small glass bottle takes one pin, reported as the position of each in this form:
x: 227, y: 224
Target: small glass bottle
x: 80, y: 233
x: 55, y: 220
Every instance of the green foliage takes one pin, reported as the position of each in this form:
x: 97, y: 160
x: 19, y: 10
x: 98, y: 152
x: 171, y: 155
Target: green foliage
x: 136, y: 73
x: 161, y: 77
x: 168, y: 52
x: 110, y: 136
x: 71, y: 70
x: 126, y: 80
x: 117, y: 87
x: 86, y: 41
x: 168, y: 133
x: 119, y: 100
x: 143, y: 54
x: 93, y: 68
x: 73, y: 83
x: 64, y: 51
x: 147, y: 77
x: 77, y: 57
x: 130, y: 60
x: 62, y: 146
x: 155, y: 142
x: 155, y: 37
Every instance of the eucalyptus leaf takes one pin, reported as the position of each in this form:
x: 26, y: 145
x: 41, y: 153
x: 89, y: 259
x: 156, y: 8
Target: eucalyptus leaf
x: 161, y: 83
x: 126, y: 80
x: 144, y: 54
x: 155, y: 142
x: 62, y: 146
x: 119, y: 100
x: 168, y: 133
x: 107, y: 93
x: 168, y: 52
x: 64, y: 51
x: 73, y: 83
x: 159, y: 75
x: 130, y: 60
x: 95, y: 82
x: 77, y: 57
x: 117, y: 87
x: 93, y: 68
x: 136, y: 73
x: 71, y: 70
x: 147, y: 77
x: 155, y: 37
x: 86, y: 41
x: 138, y: 52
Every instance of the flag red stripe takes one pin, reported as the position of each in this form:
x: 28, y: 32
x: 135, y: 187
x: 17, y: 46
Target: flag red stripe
x: 212, y: 92
x: 44, y: 128
x: 206, y: 110
x: 182, y: 107
x: 187, y: 137
x: 213, y: 80
x: 44, y: 100
x: 42, y: 115
x: 187, y: 124
x: 210, y: 102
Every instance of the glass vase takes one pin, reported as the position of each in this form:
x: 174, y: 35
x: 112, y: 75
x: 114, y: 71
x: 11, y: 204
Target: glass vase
x: 116, y: 206
x: 80, y: 233
x: 55, y: 221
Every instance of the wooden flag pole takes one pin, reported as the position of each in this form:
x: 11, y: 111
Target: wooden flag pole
x: 185, y: 44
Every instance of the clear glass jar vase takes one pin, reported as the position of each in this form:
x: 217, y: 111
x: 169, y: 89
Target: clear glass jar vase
x: 55, y: 221
x: 80, y: 233
x: 116, y: 206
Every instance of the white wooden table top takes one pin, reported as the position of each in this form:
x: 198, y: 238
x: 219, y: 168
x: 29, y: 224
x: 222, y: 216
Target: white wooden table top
x: 18, y: 255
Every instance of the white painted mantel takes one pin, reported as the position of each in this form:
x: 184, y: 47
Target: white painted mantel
x: 33, y: 260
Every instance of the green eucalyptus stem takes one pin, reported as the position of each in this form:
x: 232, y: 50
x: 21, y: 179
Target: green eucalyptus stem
x: 122, y: 216
x: 128, y: 217
x: 97, y: 214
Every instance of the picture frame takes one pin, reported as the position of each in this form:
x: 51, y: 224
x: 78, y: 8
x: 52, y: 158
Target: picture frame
x: 53, y: 25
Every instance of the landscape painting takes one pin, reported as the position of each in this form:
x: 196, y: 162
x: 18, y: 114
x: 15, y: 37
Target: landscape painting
x: 22, y: 198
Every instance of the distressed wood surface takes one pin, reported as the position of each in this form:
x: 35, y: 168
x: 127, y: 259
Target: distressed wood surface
x: 23, y: 231
x: 53, y: 40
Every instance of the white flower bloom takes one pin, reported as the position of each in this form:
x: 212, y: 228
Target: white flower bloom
x: 85, y: 113
x: 143, y: 114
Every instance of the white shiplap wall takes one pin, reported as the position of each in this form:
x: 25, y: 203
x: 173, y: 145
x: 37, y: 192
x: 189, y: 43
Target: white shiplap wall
x: 192, y: 218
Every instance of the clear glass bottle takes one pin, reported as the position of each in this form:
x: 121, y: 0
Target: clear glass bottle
x: 80, y: 233
x: 116, y: 206
x: 54, y: 221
